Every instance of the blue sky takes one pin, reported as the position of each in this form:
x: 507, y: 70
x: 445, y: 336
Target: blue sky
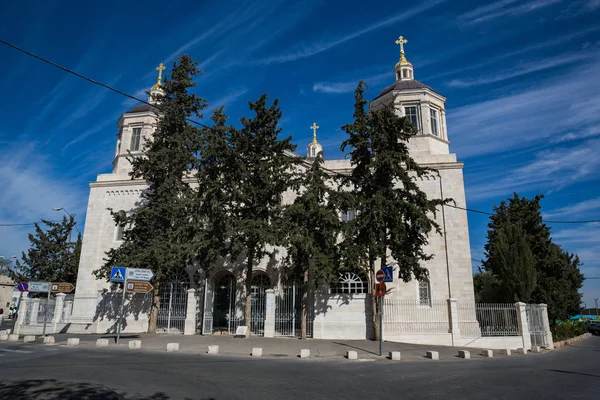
x: 521, y: 78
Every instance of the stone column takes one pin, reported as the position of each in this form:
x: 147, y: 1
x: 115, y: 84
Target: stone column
x: 58, y: 310
x: 190, y: 316
x: 35, y: 308
x: 425, y: 120
x: 546, y: 321
x: 22, y: 313
x: 523, y: 325
x: 444, y: 132
x: 453, y: 319
x: 68, y: 309
x: 270, y: 313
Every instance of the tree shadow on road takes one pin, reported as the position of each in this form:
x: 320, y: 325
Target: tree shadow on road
x: 50, y: 389
x: 573, y: 372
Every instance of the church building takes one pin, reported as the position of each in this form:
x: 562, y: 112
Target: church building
x: 191, y: 303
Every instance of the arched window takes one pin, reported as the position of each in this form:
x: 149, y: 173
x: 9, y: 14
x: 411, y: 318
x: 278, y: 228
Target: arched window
x: 424, y: 293
x: 350, y: 283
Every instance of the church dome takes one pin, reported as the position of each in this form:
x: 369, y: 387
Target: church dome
x: 141, y: 108
x: 405, y: 85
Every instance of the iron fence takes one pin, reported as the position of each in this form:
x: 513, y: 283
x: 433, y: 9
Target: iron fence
x: 537, y: 328
x: 497, y: 319
x: 409, y: 316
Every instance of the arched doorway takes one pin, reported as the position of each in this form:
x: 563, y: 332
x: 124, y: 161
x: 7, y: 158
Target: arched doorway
x: 173, y: 304
x: 224, y: 311
x: 258, y: 299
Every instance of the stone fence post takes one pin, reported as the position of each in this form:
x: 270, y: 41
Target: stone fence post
x: 35, y: 308
x: 453, y: 319
x: 67, y: 311
x: 270, y: 313
x: 546, y: 321
x: 190, y: 316
x: 58, y: 310
x: 523, y: 325
x: 22, y: 313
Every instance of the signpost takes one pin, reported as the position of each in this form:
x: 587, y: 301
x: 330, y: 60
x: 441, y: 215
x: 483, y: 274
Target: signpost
x: 22, y: 287
x: 40, y: 287
x: 61, y: 287
x: 139, y: 286
x: 134, y: 280
x: 389, y: 274
x: 380, y: 292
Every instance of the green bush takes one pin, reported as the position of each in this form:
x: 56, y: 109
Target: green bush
x: 567, y: 330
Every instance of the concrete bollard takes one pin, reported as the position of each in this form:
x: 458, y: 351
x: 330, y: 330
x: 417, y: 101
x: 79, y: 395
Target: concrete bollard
x: 214, y: 349
x: 536, y: 349
x: 13, y: 337
x: 487, y: 353
x: 434, y: 355
x: 305, y: 353
x: 352, y: 355
x: 73, y: 341
x: 395, y: 356
x: 49, y: 340
x: 135, y: 344
x: 3, y: 336
x: 257, y: 352
x: 466, y: 354
x: 506, y: 352
x: 28, y: 339
x: 101, y: 343
x: 172, y: 346
x: 521, y: 351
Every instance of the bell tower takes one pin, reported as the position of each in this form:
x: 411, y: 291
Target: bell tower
x: 314, y: 148
x: 136, y: 126
x: 420, y: 103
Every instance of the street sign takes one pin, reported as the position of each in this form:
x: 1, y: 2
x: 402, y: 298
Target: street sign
x: 117, y: 274
x: 22, y: 287
x: 389, y: 274
x: 62, y: 287
x: 380, y: 290
x: 39, y: 287
x: 139, y: 287
x: 139, y: 274
x: 380, y: 276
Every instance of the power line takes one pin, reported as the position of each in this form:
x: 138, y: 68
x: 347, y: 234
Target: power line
x: 95, y: 82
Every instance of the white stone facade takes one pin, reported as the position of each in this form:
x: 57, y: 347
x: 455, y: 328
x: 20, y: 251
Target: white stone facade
x: 345, y: 316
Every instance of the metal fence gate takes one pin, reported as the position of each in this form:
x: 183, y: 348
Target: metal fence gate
x: 173, y: 306
x: 258, y: 299
x: 288, y: 310
x: 535, y: 320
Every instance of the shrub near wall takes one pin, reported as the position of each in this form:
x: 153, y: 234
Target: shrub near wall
x: 568, y: 329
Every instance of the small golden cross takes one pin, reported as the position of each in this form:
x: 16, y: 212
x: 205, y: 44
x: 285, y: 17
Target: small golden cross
x: 160, y: 69
x: 314, y: 127
x: 401, y: 42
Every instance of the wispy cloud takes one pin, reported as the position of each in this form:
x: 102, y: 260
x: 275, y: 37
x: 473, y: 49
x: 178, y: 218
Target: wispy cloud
x: 89, y: 132
x: 576, y: 209
x: 503, y: 8
x: 520, y: 70
x: 548, y: 109
x: 350, y: 85
x: 226, y: 100
x: 307, y: 50
x: 580, y: 7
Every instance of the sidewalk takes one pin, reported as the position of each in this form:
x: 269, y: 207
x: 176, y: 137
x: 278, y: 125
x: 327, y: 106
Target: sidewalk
x: 274, y: 347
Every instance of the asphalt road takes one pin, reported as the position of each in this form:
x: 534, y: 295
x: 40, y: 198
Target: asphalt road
x: 30, y: 371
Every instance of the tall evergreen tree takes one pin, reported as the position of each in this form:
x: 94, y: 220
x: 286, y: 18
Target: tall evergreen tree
x: 260, y: 173
x: 514, y: 263
x: 157, y: 232
x: 51, y: 257
x: 557, y: 271
x: 312, y: 225
x: 392, y: 212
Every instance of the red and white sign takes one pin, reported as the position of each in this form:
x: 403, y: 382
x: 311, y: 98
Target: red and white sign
x: 380, y: 276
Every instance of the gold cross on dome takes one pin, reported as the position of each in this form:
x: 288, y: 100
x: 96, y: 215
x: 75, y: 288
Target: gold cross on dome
x: 401, y: 42
x: 314, y: 127
x: 160, y: 69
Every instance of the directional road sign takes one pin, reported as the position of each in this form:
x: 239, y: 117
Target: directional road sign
x: 139, y: 274
x: 22, y: 287
x: 61, y: 287
x: 39, y: 287
x: 380, y: 276
x: 117, y: 274
x: 389, y: 274
x: 139, y: 286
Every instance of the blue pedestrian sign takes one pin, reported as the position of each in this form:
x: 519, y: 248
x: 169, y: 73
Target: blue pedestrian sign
x: 389, y: 274
x: 117, y: 274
